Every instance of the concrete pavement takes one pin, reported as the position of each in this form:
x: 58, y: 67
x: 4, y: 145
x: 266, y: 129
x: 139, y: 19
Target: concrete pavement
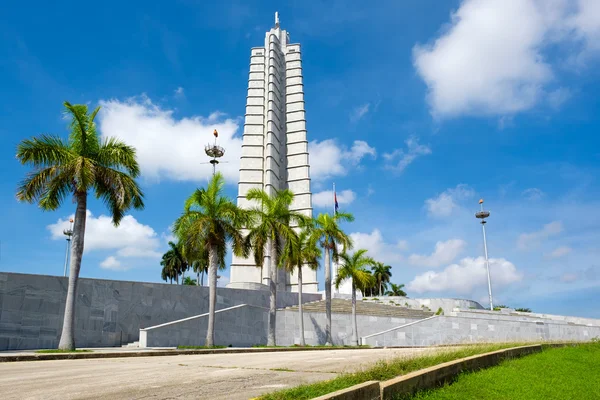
x: 206, y: 376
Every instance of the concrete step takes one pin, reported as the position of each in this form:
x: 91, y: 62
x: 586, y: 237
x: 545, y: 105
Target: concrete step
x: 132, y: 344
x: 341, y: 306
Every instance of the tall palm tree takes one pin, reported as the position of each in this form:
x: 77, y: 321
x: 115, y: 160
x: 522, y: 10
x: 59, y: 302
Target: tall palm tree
x: 272, y: 226
x: 328, y: 234
x: 211, y: 220
x: 174, y: 261
x: 396, y: 290
x: 189, y: 281
x: 354, y: 267
x: 382, y: 274
x: 76, y: 167
x: 168, y: 272
x: 299, y: 252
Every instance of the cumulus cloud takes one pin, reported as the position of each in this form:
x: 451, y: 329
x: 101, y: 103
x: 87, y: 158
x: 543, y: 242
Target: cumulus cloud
x: 448, y: 201
x: 169, y: 147
x: 378, y: 248
x: 589, y: 274
x: 112, y: 263
x: 328, y: 159
x: 530, y: 240
x: 130, y: 239
x: 560, y: 252
x: 444, y: 253
x: 463, y: 278
x: 325, y: 198
x: 359, y: 112
x: 491, y: 59
x: 399, y: 159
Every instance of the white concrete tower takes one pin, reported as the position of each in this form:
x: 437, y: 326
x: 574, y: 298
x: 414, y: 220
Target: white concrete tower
x: 274, y: 147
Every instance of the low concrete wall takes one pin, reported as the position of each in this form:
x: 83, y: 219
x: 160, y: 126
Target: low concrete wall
x: 439, y: 330
x: 237, y: 326
x: 526, y: 316
x: 365, y: 391
x: 108, y: 313
x: 341, y: 329
x: 432, y: 377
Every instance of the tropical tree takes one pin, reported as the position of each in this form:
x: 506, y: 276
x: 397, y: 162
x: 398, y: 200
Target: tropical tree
x: 189, y: 281
x: 329, y: 235
x: 300, y: 252
x: 174, y: 262
x: 354, y: 267
x: 76, y: 167
x: 271, y: 227
x: 168, y: 274
x: 396, y: 290
x: 382, y: 274
x: 211, y: 220
x: 200, y: 267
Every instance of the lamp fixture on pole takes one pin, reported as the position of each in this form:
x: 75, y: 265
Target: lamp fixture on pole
x: 482, y: 215
x: 68, y: 233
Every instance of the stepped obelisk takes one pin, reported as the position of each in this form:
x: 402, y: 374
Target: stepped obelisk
x: 274, y: 147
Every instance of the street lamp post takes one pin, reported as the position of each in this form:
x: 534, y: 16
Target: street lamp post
x: 68, y: 233
x: 483, y: 215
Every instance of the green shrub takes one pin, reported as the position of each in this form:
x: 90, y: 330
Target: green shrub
x: 439, y: 311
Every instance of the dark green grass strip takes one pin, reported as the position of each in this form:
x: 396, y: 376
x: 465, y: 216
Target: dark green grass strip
x: 381, y: 371
x: 554, y: 374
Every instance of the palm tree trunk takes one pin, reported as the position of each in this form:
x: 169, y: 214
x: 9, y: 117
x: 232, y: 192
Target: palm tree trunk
x: 301, y: 315
x: 67, y: 337
x: 328, y: 341
x: 212, y: 297
x: 355, y: 328
x: 380, y: 294
x: 198, y: 278
x: 202, y: 283
x: 271, y: 341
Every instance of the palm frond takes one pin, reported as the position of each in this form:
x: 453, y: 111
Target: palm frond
x: 44, y: 151
x: 114, y: 153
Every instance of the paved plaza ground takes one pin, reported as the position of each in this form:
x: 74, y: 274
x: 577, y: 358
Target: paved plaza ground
x: 206, y: 376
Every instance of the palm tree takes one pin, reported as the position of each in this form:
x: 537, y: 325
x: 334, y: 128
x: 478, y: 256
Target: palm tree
x: 75, y: 167
x: 355, y: 267
x: 271, y: 227
x: 167, y: 273
x: 189, y: 281
x: 174, y: 261
x: 299, y: 251
x: 329, y: 235
x: 382, y: 274
x: 211, y: 220
x: 200, y: 267
x: 396, y: 290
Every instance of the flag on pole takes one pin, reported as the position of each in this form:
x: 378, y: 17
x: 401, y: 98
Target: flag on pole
x: 335, y: 201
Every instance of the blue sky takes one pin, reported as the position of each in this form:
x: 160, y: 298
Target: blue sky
x: 415, y: 110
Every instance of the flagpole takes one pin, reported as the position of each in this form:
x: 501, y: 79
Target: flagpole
x: 333, y: 262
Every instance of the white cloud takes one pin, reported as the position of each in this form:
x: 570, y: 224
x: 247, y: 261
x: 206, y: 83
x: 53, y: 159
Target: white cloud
x: 168, y: 147
x: 491, y: 59
x: 560, y: 252
x: 402, y: 245
x: 467, y: 275
x: 113, y: 264
x: 533, y: 194
x: 179, y: 93
x: 222, y: 281
x: 447, y: 202
x: 529, y: 240
x: 325, y: 198
x: 327, y: 159
x: 359, y: 112
x: 377, y: 247
x: 444, y: 253
x: 406, y: 156
x: 130, y: 239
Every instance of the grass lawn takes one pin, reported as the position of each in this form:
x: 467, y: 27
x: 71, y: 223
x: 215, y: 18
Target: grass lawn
x: 555, y: 373
x: 381, y: 371
x: 62, y: 351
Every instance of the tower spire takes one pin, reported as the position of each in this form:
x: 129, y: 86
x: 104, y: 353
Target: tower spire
x: 276, y: 19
